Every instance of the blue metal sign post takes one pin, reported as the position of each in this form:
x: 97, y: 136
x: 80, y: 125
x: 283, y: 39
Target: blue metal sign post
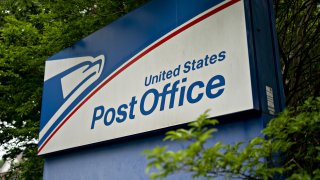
x: 116, y: 92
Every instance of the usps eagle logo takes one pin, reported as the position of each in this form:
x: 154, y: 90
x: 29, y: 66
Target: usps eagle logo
x: 66, y: 83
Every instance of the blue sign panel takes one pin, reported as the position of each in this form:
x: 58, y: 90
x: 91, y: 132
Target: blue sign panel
x: 152, y: 69
x: 159, y: 66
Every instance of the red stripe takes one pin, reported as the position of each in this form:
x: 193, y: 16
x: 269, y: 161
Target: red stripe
x: 165, y: 39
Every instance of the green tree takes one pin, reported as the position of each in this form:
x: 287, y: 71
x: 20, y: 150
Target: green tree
x: 30, y: 32
x: 1, y: 163
x: 298, y: 29
x: 295, y: 133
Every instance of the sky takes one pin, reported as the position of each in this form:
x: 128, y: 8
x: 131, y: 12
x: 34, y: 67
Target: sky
x: 1, y: 152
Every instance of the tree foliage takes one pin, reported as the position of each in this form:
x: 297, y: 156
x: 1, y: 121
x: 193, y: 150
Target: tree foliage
x: 298, y: 29
x: 295, y: 133
x: 30, y: 32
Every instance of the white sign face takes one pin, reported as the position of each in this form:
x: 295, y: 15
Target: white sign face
x: 202, y: 64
